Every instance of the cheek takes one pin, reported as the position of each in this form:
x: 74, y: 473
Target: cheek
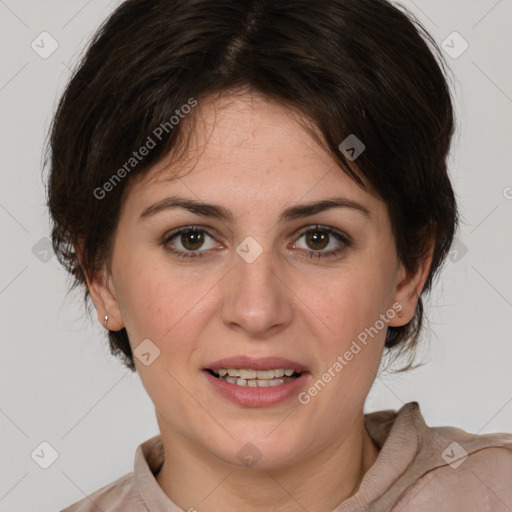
x: 160, y: 302
x: 147, y: 295
x: 354, y: 299
x: 351, y: 326
x: 161, y: 305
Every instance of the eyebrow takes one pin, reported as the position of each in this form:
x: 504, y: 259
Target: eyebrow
x: 221, y: 213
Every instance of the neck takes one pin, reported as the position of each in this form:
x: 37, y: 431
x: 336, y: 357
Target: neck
x: 199, y: 480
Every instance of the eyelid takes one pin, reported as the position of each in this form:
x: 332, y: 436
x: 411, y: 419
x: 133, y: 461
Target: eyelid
x: 192, y: 227
x: 331, y: 230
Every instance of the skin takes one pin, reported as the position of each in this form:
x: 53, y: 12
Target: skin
x: 255, y: 158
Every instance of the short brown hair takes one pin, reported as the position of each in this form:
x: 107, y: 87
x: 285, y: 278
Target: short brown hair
x: 362, y: 67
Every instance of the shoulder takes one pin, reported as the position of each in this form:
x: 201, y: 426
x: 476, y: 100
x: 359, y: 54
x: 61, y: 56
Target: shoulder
x: 483, y: 482
x: 458, y: 470
x: 118, y: 496
x: 444, y: 468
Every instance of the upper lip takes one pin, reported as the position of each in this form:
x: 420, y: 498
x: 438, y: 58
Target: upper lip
x: 256, y: 363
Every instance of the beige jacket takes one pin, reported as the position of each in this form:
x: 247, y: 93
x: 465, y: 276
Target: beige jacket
x: 418, y: 469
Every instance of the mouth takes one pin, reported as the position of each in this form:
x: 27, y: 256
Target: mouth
x: 252, y: 381
x: 246, y: 377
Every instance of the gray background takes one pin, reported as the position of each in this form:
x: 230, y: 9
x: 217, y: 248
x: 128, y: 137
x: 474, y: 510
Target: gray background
x: 57, y: 382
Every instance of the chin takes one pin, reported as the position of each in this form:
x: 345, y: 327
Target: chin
x: 258, y: 450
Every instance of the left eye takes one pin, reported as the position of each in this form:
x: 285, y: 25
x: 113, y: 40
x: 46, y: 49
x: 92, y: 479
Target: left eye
x: 323, y: 241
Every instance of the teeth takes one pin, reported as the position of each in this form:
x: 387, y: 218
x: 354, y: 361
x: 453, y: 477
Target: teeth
x: 265, y: 374
x: 255, y: 378
x: 254, y: 383
x: 246, y: 374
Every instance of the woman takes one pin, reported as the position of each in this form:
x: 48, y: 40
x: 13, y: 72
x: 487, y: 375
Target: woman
x: 255, y: 197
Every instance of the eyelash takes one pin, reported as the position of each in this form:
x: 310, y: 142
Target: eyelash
x: 338, y: 235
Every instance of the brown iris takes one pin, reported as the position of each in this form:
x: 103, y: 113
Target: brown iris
x: 192, y: 240
x: 317, y: 237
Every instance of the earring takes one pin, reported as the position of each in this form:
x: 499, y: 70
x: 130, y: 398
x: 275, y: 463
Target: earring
x: 106, y: 321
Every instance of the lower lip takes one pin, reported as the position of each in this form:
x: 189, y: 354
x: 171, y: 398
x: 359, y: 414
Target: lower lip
x: 257, y: 397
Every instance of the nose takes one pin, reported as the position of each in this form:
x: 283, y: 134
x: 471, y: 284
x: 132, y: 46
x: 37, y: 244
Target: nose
x: 256, y: 299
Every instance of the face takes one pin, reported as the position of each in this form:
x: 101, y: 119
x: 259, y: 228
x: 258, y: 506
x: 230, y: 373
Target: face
x: 240, y: 264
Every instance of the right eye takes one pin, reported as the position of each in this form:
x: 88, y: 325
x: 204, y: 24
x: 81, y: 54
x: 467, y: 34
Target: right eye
x: 189, y: 242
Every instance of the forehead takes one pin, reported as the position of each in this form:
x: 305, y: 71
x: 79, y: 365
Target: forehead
x: 249, y: 147
x: 240, y: 129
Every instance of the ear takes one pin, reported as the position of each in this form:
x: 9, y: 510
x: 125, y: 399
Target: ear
x: 409, y: 288
x: 103, y: 294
